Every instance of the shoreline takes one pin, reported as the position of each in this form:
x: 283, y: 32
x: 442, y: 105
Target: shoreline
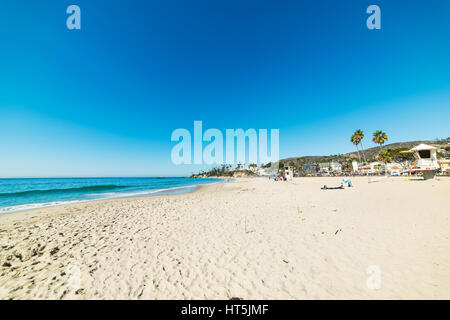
x: 159, y: 192
x: 35, y: 212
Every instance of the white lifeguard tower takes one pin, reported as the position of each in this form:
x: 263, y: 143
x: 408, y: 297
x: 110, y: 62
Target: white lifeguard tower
x: 426, y: 160
x: 289, y: 172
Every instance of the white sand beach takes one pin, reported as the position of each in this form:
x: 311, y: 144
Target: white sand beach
x: 252, y: 239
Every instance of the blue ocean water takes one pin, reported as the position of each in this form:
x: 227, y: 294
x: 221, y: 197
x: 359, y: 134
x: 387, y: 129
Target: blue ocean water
x: 29, y: 193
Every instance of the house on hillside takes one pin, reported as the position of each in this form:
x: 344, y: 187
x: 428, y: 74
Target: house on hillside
x: 445, y: 166
x: 372, y: 168
x: 336, y: 167
x: 394, y: 167
x: 330, y: 167
x: 309, y: 169
x: 324, y: 167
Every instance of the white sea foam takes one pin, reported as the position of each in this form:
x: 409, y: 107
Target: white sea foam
x: 109, y: 195
x: 173, y: 190
x: 101, y: 196
x: 31, y: 206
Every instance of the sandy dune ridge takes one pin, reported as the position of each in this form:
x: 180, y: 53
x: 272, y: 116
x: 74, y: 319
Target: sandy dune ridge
x: 252, y: 238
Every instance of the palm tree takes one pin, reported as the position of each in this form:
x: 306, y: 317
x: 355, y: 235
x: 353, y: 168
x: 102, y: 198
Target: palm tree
x: 355, y: 139
x: 380, y: 137
x: 385, y: 156
x: 360, y: 133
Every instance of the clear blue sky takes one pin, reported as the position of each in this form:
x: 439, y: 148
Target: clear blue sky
x: 104, y: 100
